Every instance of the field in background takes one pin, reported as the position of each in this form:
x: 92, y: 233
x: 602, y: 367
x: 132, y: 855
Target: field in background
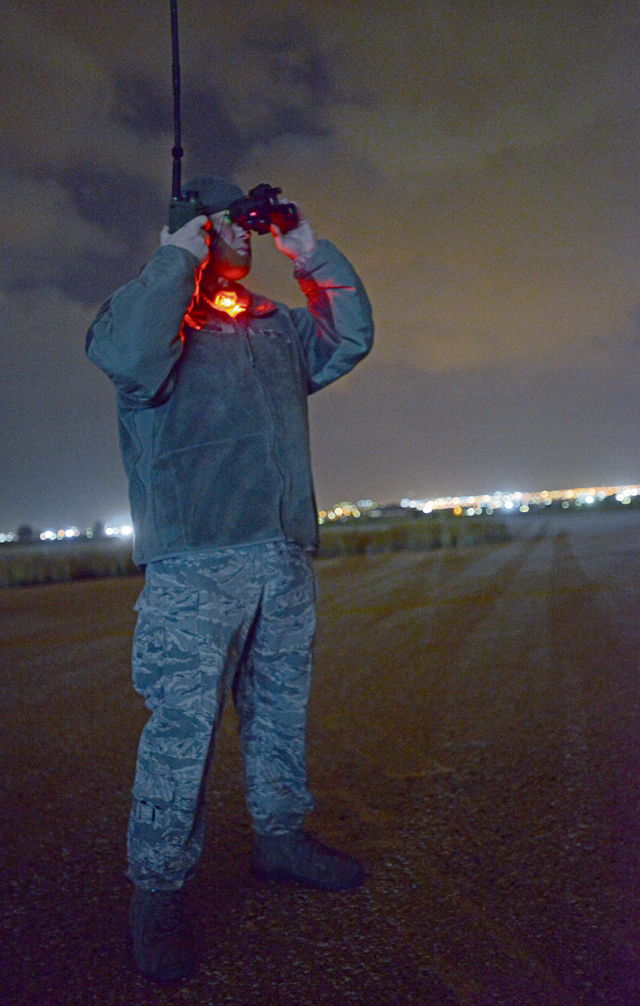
x: 59, y: 562
x: 473, y: 738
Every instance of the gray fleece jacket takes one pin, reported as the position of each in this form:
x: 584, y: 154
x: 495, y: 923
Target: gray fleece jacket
x: 213, y: 422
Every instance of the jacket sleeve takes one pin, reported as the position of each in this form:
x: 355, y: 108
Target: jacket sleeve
x: 135, y: 337
x: 336, y: 328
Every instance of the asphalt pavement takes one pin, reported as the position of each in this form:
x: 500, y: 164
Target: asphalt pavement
x: 473, y: 739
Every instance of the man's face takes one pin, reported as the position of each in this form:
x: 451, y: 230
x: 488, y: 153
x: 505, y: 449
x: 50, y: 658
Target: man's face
x: 229, y: 248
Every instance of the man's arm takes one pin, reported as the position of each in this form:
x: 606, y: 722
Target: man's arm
x: 337, y: 326
x: 135, y: 337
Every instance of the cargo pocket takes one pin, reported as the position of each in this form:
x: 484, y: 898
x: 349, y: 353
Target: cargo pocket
x: 165, y: 662
x: 153, y: 793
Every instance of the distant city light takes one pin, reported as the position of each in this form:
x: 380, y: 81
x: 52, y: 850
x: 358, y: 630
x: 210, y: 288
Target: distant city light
x: 344, y: 511
x: 488, y: 503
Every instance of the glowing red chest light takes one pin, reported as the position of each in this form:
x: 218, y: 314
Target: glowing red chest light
x: 229, y: 302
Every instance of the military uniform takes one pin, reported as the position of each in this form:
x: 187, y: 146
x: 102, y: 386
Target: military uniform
x: 214, y: 435
x: 240, y: 619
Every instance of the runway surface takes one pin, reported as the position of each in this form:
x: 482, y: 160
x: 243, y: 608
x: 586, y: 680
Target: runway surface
x: 473, y: 739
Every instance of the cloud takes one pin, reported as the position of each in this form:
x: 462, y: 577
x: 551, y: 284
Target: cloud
x: 140, y: 105
x: 82, y: 229
x: 94, y: 188
x: 81, y: 187
x: 514, y: 79
x: 273, y: 75
x: 478, y: 165
x: 523, y: 264
x: 432, y: 146
x: 66, y: 98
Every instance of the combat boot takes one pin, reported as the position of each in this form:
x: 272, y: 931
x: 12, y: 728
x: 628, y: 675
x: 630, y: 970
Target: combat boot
x: 162, y: 939
x: 300, y: 858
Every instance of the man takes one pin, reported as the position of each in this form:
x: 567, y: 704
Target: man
x: 212, y: 386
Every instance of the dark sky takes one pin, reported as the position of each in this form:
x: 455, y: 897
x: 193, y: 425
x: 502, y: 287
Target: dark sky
x: 479, y: 164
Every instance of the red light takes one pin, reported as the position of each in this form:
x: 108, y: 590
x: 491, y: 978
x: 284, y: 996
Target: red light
x: 232, y: 302
x: 228, y: 301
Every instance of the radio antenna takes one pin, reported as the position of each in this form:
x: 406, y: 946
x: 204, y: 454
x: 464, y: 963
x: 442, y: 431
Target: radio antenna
x: 177, y: 152
x: 183, y: 207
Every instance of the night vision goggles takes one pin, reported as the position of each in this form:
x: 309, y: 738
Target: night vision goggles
x: 260, y: 209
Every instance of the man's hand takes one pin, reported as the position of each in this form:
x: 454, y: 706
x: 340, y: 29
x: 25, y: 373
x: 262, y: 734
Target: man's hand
x: 192, y: 236
x: 297, y: 243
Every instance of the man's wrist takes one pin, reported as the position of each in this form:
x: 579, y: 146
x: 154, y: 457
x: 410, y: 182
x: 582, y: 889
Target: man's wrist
x: 302, y: 262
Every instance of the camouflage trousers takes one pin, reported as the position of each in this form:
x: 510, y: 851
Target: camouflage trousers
x: 234, y: 618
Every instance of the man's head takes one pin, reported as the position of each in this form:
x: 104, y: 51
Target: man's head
x: 230, y: 244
